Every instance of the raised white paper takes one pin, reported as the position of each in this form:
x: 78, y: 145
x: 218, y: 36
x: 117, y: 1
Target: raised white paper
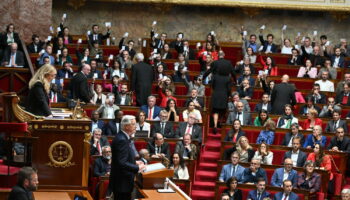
x: 245, y: 33
x: 49, y: 38
x: 263, y: 27
x: 89, y: 32
x: 110, y: 57
x: 126, y: 34
x: 284, y: 27
x: 58, y: 29
x: 64, y: 15
x: 315, y: 33
x: 108, y: 24
x: 154, y: 23
x: 59, y: 52
x: 80, y: 40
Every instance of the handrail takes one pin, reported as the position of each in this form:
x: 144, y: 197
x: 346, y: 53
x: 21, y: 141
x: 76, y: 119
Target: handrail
x: 29, y: 61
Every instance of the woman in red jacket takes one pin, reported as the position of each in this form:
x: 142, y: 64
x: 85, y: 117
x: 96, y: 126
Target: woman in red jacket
x: 269, y: 65
x: 311, y: 120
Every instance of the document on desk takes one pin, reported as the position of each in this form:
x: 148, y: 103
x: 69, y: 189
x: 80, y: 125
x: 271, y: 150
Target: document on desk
x: 153, y: 167
x: 51, y: 196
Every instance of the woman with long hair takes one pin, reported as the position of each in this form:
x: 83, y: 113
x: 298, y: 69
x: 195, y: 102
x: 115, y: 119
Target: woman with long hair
x: 262, y: 118
x: 178, y: 164
x: 264, y: 154
x: 172, y: 110
x: 269, y: 66
x: 309, y: 179
x: 268, y: 134
x: 141, y: 124
x: 233, y: 192
x: 235, y: 132
x: 245, y: 151
x: 39, y: 88
x: 63, y: 57
x: 192, y: 110
x: 287, y: 118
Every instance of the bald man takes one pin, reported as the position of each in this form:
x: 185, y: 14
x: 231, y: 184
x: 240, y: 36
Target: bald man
x: 282, y: 94
x: 13, y: 58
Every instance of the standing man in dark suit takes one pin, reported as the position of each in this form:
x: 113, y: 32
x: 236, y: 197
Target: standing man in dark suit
x: 26, y: 184
x: 190, y: 127
x: 287, y: 192
x: 335, y: 123
x: 339, y: 143
x: 79, y: 85
x: 158, y: 148
x: 95, y: 36
x: 298, y: 157
x: 260, y: 193
x: 282, y: 94
x: 142, y: 79
x: 164, y: 127
x: 124, y: 167
x: 13, y: 58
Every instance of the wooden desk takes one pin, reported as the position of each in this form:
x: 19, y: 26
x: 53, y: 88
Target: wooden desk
x: 153, y: 194
x: 60, y: 194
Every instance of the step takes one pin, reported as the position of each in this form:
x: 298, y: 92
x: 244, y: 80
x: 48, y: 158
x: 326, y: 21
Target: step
x: 209, y: 156
x: 202, y: 175
x: 213, y: 146
x: 204, y: 185
x: 202, y: 195
x: 207, y: 166
x: 216, y: 137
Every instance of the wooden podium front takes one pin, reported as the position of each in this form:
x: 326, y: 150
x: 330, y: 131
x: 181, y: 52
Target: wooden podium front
x: 61, y: 151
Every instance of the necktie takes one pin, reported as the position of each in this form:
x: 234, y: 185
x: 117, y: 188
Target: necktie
x: 259, y: 195
x: 285, y: 196
x: 233, y: 170
x: 334, y: 126
x: 13, y: 62
x: 55, y: 98
x: 188, y: 131
x: 98, y: 146
x: 162, y: 128
x: 238, y: 115
x: 150, y: 113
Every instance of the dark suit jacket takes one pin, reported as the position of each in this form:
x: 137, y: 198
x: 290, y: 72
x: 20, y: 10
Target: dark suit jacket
x: 123, y: 167
x: 103, y: 142
x: 151, y: 147
x: 297, y: 61
x: 180, y: 148
x: 19, y: 58
x: 38, y: 101
x: 127, y: 99
x: 98, y: 72
x: 321, y: 100
x: 196, y: 131
x: 282, y: 94
x: 301, y: 157
x: 247, y: 119
x: 3, y: 40
x: 330, y: 126
x: 100, y: 37
x: 341, y: 62
x: 253, y: 195
x: 100, y: 167
x: 248, y: 176
x: 31, y: 48
x: 288, y: 136
x: 79, y: 87
x: 265, y: 44
x: 132, y: 52
x: 110, y: 128
x: 156, y: 111
x: 343, y: 146
x: 100, y: 124
x: 292, y: 196
x: 229, y: 135
x: 339, y: 98
x: 258, y: 107
x: 19, y: 193
x: 190, y: 52
x: 168, y: 129
x: 62, y: 73
x: 199, y: 99
x: 221, y: 67
x: 141, y: 82
x: 303, y: 109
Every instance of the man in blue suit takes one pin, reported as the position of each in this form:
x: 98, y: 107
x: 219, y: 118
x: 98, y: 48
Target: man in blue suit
x: 232, y: 169
x: 260, y: 193
x: 152, y: 111
x: 287, y: 192
x: 96, y: 122
x: 285, y: 173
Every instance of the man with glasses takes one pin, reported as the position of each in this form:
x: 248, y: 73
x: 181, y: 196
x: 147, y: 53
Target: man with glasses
x: 232, y: 169
x: 164, y: 126
x: 260, y: 193
x: 339, y: 143
x: 158, y: 148
x: 254, y: 172
x: 288, y: 138
x: 284, y: 173
x: 26, y: 184
x: 190, y: 127
x: 327, y: 110
x: 297, y: 156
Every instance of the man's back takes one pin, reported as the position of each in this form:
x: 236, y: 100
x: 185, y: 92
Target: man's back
x: 79, y: 87
x: 282, y: 94
x: 19, y: 193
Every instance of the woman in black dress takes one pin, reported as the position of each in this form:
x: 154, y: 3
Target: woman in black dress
x: 39, y: 88
x: 232, y: 191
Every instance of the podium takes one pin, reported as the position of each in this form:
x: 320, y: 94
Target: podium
x: 60, y: 152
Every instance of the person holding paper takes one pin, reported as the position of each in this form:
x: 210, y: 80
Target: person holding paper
x: 211, y: 37
x: 39, y: 88
x: 178, y: 42
x: 94, y: 73
x: 13, y: 58
x: 97, y: 37
x: 58, y: 44
x: 268, y: 45
x: 165, y: 52
x: 46, y: 53
x: 95, y: 50
x: 125, y: 60
x: 83, y: 57
x: 251, y: 43
x: 157, y: 43
x: 129, y: 47
x: 63, y: 57
x: 285, y: 42
x: 64, y: 32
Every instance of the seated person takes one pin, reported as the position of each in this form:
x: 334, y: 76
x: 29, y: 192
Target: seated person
x: 315, y: 138
x: 285, y: 173
x: 327, y: 110
x: 191, y: 110
x: 66, y: 71
x: 27, y: 182
x: 107, y: 110
x: 96, y: 122
x: 98, y: 98
x: 294, y: 132
x: 243, y: 116
x: 165, y: 96
x: 178, y: 164
x: 13, y: 58
x: 94, y: 73
x: 113, y: 126
x: 305, y: 109
x: 233, y: 169
x: 345, y: 194
x: 232, y: 105
x: 158, y: 148
x: 144, y: 156
x: 335, y: 123
x: 246, y: 75
x: 186, y: 148
x: 295, y: 59
x: 309, y: 179
x: 264, y: 104
x: 235, y: 132
x: 102, y: 165
x: 298, y: 157
x: 191, y: 128
x: 342, y: 98
x: 197, y: 85
x: 287, y: 192
x: 339, y: 143
x: 55, y: 94
x: 268, y: 134
x: 262, y: 118
x: 243, y: 148
x: 97, y: 142
x: 317, y: 96
x: 47, y: 53
x: 196, y: 99
x: 245, y: 90
x: 267, y: 45
x: 164, y: 126
x: 311, y: 120
x: 141, y: 124
x: 308, y: 71
x: 264, y: 154
x: 254, y: 172
x: 36, y: 46
x: 232, y: 190
x: 124, y: 97
x: 173, y: 113
x: 260, y: 192
x: 152, y: 111
x: 287, y: 118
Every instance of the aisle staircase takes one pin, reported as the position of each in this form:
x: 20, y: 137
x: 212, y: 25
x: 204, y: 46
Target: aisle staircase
x: 203, y: 187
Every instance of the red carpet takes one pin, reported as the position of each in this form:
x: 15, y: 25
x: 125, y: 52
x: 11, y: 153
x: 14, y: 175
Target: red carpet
x: 203, y: 187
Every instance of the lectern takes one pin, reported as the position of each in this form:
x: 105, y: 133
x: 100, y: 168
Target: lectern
x: 61, y: 151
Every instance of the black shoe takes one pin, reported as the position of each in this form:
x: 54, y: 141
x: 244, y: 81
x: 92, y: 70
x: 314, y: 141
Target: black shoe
x: 215, y: 130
